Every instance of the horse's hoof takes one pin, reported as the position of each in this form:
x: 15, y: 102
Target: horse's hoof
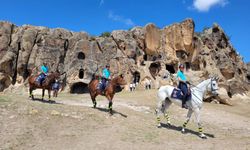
x: 111, y: 112
x: 203, y: 136
x: 31, y: 98
x: 183, y: 131
x: 159, y: 125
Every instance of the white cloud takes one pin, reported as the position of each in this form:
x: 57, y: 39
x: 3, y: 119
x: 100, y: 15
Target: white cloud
x: 205, y: 5
x: 121, y: 19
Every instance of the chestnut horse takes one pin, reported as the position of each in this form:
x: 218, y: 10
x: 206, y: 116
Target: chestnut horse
x: 109, y: 90
x: 47, y: 84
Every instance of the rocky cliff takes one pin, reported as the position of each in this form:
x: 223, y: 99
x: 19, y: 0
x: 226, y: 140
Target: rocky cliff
x: 140, y: 53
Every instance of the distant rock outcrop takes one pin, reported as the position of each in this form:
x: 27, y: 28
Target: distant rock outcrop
x: 142, y: 52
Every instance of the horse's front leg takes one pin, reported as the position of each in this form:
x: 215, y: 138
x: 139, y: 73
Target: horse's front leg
x: 165, y: 107
x: 110, y: 97
x: 43, y: 94
x: 49, y: 93
x: 93, y: 96
x: 31, y: 95
x: 197, y: 116
x: 189, y: 114
x: 158, y: 112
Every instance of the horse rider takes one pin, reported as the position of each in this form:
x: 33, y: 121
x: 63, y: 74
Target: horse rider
x: 106, y: 76
x: 44, y: 72
x: 181, y: 77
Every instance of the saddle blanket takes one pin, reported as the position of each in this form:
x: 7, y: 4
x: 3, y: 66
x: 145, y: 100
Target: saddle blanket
x: 40, y: 77
x: 177, y: 94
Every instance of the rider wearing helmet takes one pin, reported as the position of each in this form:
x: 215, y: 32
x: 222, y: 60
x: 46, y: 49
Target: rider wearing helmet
x: 44, y: 72
x: 106, y: 75
x: 182, y: 84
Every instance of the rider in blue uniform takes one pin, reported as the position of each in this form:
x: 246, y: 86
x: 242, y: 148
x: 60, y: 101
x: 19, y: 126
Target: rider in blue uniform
x: 105, y: 77
x: 183, y: 84
x: 44, y: 72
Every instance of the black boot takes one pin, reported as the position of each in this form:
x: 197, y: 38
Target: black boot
x: 184, y: 105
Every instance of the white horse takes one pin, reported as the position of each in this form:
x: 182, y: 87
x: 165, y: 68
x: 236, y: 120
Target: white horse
x: 194, y: 105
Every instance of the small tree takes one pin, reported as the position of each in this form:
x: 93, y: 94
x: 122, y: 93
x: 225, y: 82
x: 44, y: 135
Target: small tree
x: 105, y: 34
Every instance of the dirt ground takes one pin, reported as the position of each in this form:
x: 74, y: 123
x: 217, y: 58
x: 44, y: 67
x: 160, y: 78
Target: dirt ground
x: 72, y: 123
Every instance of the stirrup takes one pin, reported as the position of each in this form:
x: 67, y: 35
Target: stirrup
x: 184, y: 106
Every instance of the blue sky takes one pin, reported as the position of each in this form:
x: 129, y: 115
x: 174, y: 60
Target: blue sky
x: 97, y: 16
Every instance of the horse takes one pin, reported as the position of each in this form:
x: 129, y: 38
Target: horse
x: 109, y: 91
x: 194, y: 105
x: 46, y: 85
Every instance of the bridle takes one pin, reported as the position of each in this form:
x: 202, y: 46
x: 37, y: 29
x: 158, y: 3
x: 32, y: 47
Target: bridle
x: 198, y: 88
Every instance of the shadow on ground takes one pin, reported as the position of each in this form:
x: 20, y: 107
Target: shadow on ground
x: 114, y: 112
x: 173, y: 127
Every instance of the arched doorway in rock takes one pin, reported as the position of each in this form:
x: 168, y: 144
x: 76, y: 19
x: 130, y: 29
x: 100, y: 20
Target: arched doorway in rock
x: 188, y: 65
x: 145, y: 57
x: 248, y: 78
x: 81, y: 55
x: 79, y: 88
x: 154, y: 68
x: 195, y: 65
x: 81, y: 73
x: 181, y: 54
x: 170, y: 68
x: 136, y: 77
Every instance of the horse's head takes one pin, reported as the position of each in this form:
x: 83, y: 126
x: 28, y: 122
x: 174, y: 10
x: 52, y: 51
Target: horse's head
x: 213, y: 86
x: 120, y: 80
x: 54, y: 76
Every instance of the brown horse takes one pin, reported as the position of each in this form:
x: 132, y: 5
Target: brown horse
x: 109, y: 91
x: 47, y: 84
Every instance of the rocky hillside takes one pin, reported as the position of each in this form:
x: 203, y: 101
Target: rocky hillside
x: 140, y: 53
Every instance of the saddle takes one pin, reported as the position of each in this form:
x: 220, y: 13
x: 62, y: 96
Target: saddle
x: 177, y: 94
x: 40, y: 78
x: 102, y: 85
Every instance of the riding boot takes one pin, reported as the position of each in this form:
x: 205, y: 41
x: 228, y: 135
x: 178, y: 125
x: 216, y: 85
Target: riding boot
x: 184, y: 98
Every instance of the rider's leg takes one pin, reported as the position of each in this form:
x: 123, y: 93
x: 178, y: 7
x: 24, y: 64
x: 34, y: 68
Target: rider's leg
x: 185, y: 92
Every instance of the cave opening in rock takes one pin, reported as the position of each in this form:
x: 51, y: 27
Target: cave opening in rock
x: 215, y: 30
x: 170, y: 68
x: 81, y: 55
x: 154, y: 68
x: 136, y: 77
x: 227, y: 74
x: 79, y: 88
x: 248, y: 78
x: 195, y: 66
x: 188, y: 66
x: 81, y: 73
x: 204, y: 64
x: 229, y: 94
x: 181, y: 54
x: 239, y: 71
x: 145, y: 57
